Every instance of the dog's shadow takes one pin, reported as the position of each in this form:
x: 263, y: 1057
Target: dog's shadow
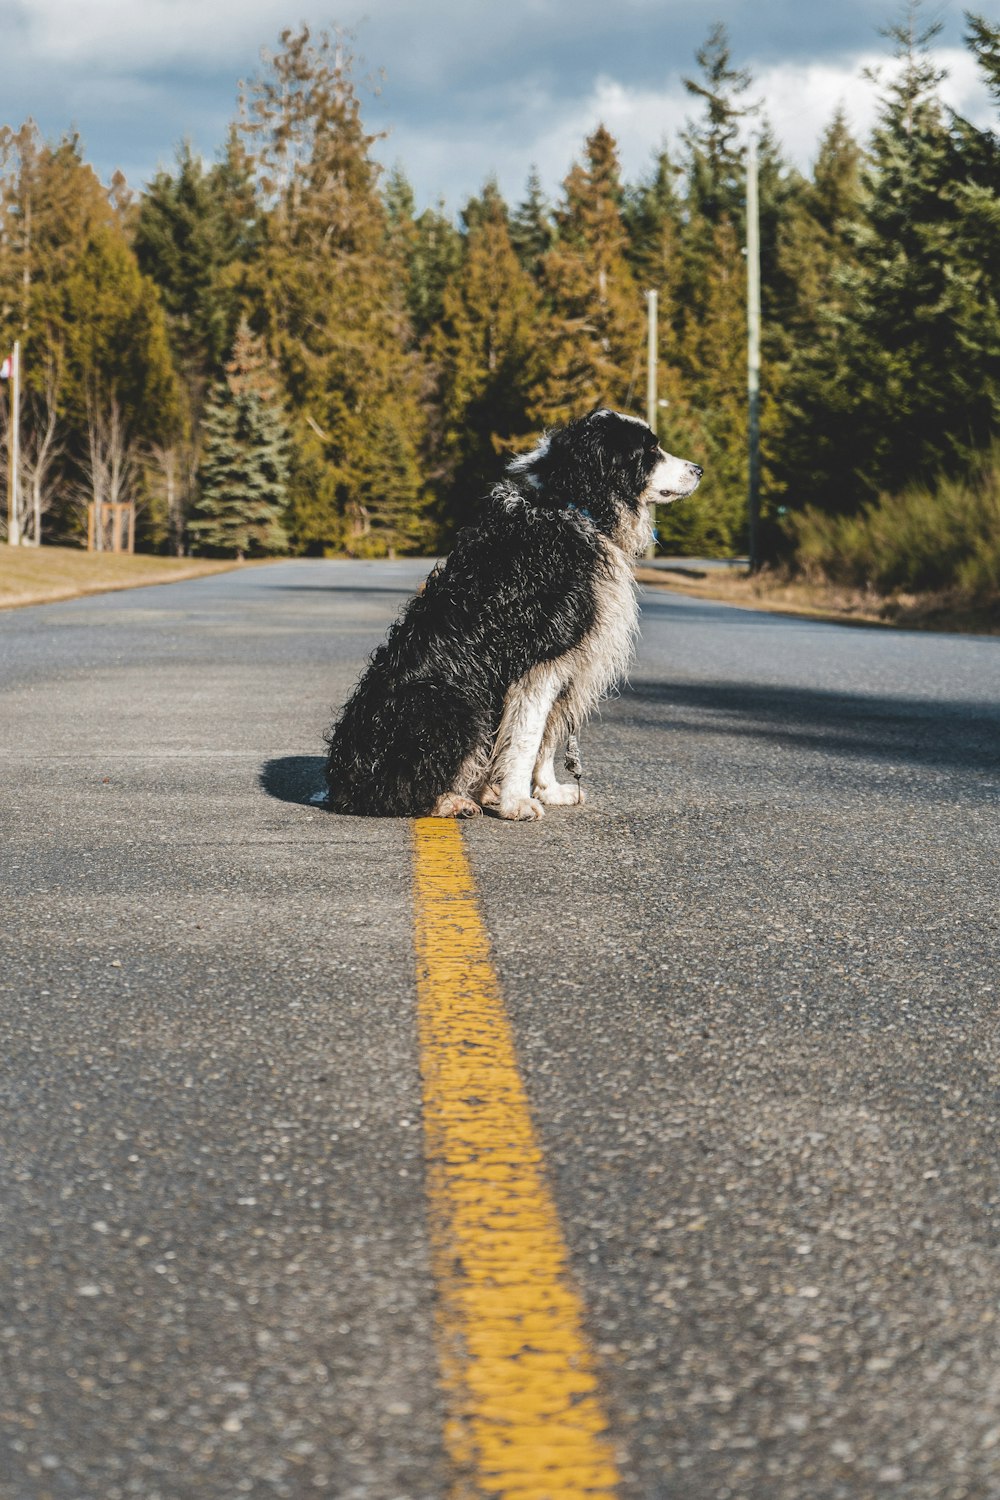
x: 294, y: 778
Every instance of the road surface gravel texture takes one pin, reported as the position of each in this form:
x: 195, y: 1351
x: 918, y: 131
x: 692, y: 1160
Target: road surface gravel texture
x: 753, y: 985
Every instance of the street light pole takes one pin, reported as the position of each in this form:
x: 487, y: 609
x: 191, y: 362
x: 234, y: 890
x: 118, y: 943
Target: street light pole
x: 651, y: 408
x: 14, y: 449
x: 753, y: 357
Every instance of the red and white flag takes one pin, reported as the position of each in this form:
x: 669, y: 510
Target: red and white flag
x: 7, y: 368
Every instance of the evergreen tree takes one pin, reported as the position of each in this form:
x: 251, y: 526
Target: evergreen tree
x: 195, y: 232
x: 779, y: 191
x: 428, y: 249
x: 983, y: 38
x: 486, y: 350
x: 922, y: 355
x: 172, y: 243
x: 813, y: 306
x: 705, y: 325
x: 595, y: 340
x: 70, y: 286
x: 706, y: 419
x: 334, y: 306
x: 437, y: 256
x: 653, y: 215
x: 532, y: 231
x: 92, y: 327
x: 242, y: 478
x: 715, y: 166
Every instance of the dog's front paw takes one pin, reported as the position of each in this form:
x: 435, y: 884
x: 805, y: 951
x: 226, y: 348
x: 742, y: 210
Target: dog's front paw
x: 559, y: 794
x: 520, y: 809
x: 488, y: 795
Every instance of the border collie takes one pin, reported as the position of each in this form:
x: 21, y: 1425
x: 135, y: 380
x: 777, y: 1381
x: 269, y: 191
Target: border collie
x: 513, y: 641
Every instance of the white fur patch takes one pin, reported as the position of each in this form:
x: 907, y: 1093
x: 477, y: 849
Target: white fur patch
x: 525, y: 461
x: 672, y: 479
x: 555, y: 698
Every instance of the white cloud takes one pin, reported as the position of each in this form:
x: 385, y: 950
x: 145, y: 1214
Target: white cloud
x: 799, y: 100
x: 471, y: 89
x: 113, y: 37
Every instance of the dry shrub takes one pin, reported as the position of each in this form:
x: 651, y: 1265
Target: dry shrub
x: 940, y: 538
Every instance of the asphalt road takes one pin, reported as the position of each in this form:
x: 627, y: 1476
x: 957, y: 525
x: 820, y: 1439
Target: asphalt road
x: 754, y: 988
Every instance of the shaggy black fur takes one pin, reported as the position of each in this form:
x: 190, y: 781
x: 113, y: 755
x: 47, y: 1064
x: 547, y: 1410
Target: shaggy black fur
x: 517, y: 590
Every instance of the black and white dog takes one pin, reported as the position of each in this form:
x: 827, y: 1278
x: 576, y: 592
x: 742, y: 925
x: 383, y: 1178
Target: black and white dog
x: 514, y: 640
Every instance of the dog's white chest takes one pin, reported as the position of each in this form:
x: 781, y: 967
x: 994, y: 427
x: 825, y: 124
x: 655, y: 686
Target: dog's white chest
x: 606, y: 651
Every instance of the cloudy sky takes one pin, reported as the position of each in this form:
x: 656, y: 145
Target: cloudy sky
x: 470, y: 88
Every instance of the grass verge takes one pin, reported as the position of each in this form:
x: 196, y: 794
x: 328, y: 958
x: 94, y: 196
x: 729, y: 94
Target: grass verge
x: 827, y: 601
x: 43, y: 575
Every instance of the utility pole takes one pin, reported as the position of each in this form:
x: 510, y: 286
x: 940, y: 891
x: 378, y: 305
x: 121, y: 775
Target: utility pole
x: 651, y: 407
x: 753, y: 357
x: 14, y: 448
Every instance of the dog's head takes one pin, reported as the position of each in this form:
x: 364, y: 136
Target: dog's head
x: 611, y: 467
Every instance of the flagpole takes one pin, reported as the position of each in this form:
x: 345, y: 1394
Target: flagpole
x: 14, y: 448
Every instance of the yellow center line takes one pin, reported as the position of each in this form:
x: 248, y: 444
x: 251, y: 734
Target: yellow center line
x: 525, y: 1420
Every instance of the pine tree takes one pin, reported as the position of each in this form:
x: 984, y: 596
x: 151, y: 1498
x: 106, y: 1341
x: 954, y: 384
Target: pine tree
x: 532, y: 231
x: 334, y: 306
x: 652, y: 215
x: 486, y: 350
x: 983, y: 39
x: 195, y: 232
x: 242, y: 478
x: 428, y: 249
x: 706, y: 419
x: 922, y: 339
x: 812, y: 308
x: 653, y: 218
x: 706, y: 328
x: 333, y: 302
x: 595, y: 345
x: 715, y: 166
x: 172, y: 243
x: 92, y: 327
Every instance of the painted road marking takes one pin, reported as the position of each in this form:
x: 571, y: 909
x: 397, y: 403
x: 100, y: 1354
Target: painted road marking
x: 525, y: 1420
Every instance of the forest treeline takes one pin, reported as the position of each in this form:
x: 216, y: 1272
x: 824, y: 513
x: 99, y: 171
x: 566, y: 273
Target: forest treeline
x: 281, y: 352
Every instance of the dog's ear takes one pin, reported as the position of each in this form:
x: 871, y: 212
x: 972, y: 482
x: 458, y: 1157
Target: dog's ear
x: 531, y: 465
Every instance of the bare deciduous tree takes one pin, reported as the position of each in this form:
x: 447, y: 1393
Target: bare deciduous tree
x: 175, y: 465
x: 40, y: 449
x: 110, y: 464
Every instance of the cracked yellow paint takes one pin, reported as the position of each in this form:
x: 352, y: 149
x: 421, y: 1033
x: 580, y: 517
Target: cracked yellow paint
x: 525, y: 1419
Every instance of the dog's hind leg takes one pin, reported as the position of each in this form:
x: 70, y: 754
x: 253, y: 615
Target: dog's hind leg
x: 463, y: 801
x: 544, y: 784
x: 455, y: 805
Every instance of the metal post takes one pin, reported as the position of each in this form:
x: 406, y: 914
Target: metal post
x: 753, y: 358
x: 652, y: 352
x: 14, y: 449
